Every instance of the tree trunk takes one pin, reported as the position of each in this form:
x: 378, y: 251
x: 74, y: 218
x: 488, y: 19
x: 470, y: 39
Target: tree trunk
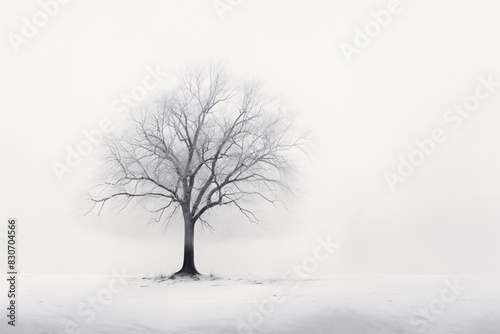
x: 188, y: 266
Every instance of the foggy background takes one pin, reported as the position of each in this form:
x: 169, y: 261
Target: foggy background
x: 443, y: 220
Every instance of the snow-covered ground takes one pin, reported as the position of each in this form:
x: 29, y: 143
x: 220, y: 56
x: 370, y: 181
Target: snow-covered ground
x: 333, y: 304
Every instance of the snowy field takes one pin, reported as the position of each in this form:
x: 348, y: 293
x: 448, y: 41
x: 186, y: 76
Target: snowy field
x: 333, y: 304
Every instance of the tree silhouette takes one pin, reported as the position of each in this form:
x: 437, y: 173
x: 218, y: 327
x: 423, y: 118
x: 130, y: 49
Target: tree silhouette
x: 210, y: 142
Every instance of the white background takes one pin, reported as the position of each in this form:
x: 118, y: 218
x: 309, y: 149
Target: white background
x: 443, y: 220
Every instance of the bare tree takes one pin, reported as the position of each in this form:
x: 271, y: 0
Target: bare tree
x: 208, y: 143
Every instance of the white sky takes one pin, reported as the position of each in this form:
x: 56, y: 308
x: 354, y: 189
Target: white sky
x: 443, y: 219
